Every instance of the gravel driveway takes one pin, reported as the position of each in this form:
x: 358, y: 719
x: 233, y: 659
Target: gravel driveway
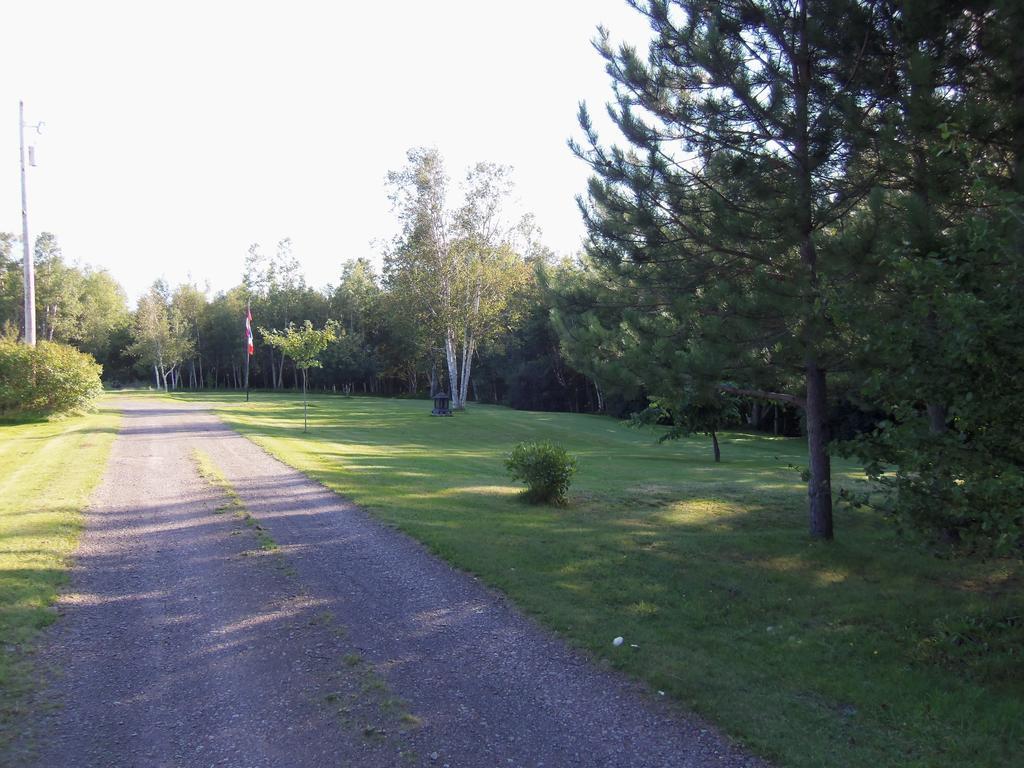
x: 183, y: 643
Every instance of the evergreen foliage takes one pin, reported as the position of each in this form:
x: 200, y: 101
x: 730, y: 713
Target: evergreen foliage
x: 938, y: 339
x: 949, y: 454
x: 819, y: 205
x: 714, y: 233
x: 692, y: 412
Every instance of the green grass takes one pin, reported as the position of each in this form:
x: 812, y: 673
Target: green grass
x: 867, y: 651
x: 47, y: 471
x: 232, y: 501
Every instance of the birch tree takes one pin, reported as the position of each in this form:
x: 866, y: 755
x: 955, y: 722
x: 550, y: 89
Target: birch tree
x: 187, y: 306
x: 160, y: 336
x: 455, y: 267
x: 490, y: 268
x: 420, y: 265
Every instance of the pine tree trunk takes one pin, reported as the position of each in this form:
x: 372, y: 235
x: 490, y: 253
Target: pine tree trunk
x: 819, y: 485
x: 714, y: 443
x: 937, y: 418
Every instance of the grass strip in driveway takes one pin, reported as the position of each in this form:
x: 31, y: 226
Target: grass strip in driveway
x: 233, y: 502
x: 48, y: 469
x: 866, y: 652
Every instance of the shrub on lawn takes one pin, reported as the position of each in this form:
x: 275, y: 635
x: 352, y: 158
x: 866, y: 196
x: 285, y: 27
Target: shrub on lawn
x: 546, y: 469
x: 46, y: 379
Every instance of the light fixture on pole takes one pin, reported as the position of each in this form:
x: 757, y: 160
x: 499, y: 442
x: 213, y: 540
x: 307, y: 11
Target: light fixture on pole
x: 30, y: 278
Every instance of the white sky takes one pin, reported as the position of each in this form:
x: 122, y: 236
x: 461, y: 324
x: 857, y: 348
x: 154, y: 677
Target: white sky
x: 177, y: 133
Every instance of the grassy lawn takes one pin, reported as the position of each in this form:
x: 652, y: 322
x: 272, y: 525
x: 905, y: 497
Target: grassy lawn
x: 863, y: 652
x: 47, y: 471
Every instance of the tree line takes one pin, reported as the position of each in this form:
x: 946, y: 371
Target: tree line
x: 457, y: 306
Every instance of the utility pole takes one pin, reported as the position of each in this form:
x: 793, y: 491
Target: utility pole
x: 30, y: 277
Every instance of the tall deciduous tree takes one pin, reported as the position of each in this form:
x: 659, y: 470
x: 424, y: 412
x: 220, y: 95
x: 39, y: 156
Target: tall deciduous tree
x: 58, y: 291
x: 277, y: 288
x: 188, y: 303
x: 750, y: 143
x: 421, y: 266
x: 104, y: 314
x: 491, y: 269
x: 456, y: 267
x: 10, y: 286
x: 160, y: 336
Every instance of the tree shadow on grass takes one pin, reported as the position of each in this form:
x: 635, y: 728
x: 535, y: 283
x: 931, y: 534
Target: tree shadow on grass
x: 23, y: 419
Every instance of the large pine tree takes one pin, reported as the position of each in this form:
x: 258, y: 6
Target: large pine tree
x: 721, y: 224
x: 940, y: 336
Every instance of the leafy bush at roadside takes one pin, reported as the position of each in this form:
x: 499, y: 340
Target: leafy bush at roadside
x: 546, y: 469
x: 46, y: 379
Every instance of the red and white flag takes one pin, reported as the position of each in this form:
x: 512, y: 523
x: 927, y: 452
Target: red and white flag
x: 248, y: 329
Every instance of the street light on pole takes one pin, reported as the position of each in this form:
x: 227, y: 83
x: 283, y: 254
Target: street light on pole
x: 30, y: 278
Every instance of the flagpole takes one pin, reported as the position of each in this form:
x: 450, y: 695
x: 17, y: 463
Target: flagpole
x: 248, y: 312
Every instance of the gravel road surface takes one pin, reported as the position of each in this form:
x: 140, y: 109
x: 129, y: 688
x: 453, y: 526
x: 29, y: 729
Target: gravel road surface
x: 182, y: 642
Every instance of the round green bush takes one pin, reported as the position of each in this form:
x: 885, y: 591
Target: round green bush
x: 46, y: 379
x: 546, y: 469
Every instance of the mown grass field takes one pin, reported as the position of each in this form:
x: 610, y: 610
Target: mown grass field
x: 864, y: 652
x: 47, y: 471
